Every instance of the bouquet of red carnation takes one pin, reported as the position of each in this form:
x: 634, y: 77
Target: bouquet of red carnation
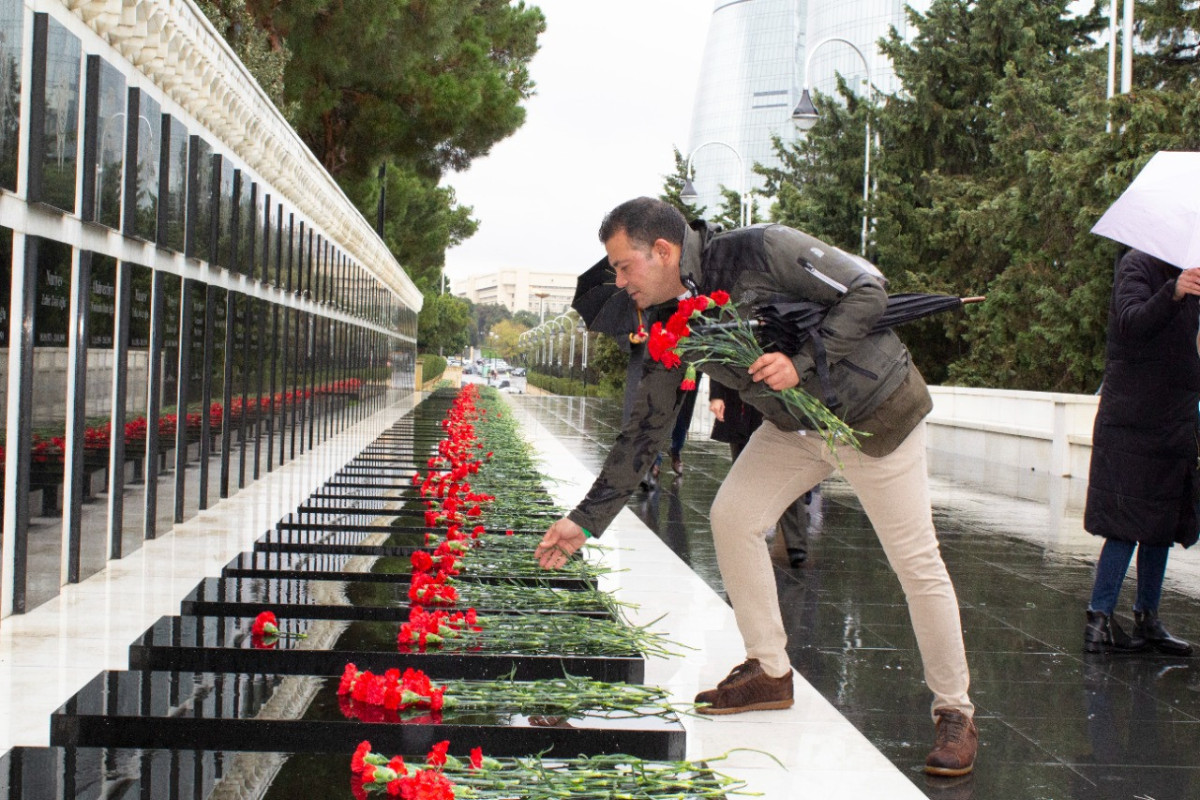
x: 375, y: 773
x: 427, y: 590
x: 393, y: 690
x: 724, y: 337
x: 432, y: 628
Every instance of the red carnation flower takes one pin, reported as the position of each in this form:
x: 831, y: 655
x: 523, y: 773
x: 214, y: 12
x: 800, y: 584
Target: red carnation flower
x: 437, y: 756
x: 356, y: 762
x: 265, y: 624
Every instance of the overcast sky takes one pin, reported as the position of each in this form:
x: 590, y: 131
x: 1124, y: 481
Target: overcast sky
x: 615, y: 86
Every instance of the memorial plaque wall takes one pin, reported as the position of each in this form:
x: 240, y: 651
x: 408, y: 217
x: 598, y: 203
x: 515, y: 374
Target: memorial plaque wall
x: 146, y: 126
x: 54, y: 134
x: 173, y: 184
x: 107, y: 143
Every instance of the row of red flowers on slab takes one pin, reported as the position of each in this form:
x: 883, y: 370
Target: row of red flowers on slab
x: 449, y: 503
x: 47, y: 449
x: 373, y: 772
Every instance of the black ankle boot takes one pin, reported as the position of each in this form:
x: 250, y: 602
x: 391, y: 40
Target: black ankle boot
x: 1104, y: 635
x: 1148, y: 626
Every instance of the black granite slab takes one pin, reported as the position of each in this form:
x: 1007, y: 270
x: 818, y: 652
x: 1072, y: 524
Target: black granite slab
x: 348, y: 543
x: 69, y: 773
x: 331, y: 567
x: 305, y: 714
x: 325, y: 496
x: 224, y: 644
x: 340, y: 507
x: 95, y: 773
x: 383, y: 467
x: 324, y: 531
x: 342, y: 600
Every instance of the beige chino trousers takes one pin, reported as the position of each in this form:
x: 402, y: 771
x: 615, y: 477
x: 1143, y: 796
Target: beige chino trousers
x: 774, y: 469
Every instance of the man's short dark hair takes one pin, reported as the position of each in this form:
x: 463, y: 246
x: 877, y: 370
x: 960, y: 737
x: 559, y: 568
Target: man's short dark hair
x: 644, y: 220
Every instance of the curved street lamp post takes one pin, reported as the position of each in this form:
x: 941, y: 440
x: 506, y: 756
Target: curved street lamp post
x: 566, y: 326
x: 805, y: 116
x: 688, y: 192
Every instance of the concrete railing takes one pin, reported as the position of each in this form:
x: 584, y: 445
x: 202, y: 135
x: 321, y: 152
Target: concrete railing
x: 1046, y: 432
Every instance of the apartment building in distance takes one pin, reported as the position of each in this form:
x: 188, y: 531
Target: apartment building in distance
x: 546, y: 294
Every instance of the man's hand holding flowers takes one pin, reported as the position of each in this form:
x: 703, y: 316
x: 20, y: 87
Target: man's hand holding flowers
x: 776, y: 369
x: 732, y: 342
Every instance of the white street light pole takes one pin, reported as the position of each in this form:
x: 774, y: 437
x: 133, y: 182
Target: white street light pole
x: 688, y: 192
x: 583, y: 331
x: 805, y: 116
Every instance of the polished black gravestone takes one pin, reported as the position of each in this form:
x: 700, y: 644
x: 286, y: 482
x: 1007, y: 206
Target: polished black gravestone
x: 225, y: 644
x: 351, y: 600
x: 94, y: 773
x: 88, y: 773
x: 532, y: 493
x: 295, y: 531
x: 336, y: 566
x: 402, y: 544
x: 185, y: 710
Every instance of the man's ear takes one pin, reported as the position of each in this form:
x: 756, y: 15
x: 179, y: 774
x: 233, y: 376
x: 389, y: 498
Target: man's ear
x: 664, y: 249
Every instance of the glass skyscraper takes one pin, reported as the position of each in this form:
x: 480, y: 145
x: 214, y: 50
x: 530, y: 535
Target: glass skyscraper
x: 753, y: 72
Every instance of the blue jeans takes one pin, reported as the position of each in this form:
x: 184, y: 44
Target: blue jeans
x: 1110, y: 574
x: 682, y: 422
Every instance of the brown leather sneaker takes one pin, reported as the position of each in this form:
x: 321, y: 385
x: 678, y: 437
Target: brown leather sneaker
x: 746, y: 688
x: 955, y: 746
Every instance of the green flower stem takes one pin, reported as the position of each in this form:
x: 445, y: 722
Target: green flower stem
x: 566, y: 696
x: 516, y: 595
x: 611, y: 776
x: 734, y: 344
x: 562, y: 633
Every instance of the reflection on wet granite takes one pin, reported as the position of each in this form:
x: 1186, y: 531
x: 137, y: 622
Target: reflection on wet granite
x: 69, y: 773
x: 491, y: 593
x: 224, y: 644
x: 1053, y: 724
x: 185, y: 710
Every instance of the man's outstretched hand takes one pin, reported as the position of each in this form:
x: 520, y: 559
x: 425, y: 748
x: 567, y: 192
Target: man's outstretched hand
x: 561, y: 541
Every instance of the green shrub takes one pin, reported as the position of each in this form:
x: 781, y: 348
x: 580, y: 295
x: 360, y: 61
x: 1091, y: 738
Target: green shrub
x: 432, y: 366
x: 569, y: 386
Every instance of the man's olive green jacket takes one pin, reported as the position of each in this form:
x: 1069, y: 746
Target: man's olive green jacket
x: 878, y: 390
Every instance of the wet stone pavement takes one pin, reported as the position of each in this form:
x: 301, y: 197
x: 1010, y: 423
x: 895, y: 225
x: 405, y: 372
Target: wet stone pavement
x: 1054, y: 723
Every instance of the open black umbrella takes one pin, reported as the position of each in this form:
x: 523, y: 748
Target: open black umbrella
x: 603, y: 307
x: 785, y: 327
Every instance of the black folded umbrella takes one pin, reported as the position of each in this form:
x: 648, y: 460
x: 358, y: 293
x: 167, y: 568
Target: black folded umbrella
x: 603, y: 307
x: 785, y: 327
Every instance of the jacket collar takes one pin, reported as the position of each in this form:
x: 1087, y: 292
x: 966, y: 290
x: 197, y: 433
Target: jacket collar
x: 695, y: 239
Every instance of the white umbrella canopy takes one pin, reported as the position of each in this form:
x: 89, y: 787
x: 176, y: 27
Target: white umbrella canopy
x: 1159, y: 213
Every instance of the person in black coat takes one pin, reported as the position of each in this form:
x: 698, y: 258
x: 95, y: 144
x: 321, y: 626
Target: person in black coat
x: 735, y: 422
x: 1142, y: 482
